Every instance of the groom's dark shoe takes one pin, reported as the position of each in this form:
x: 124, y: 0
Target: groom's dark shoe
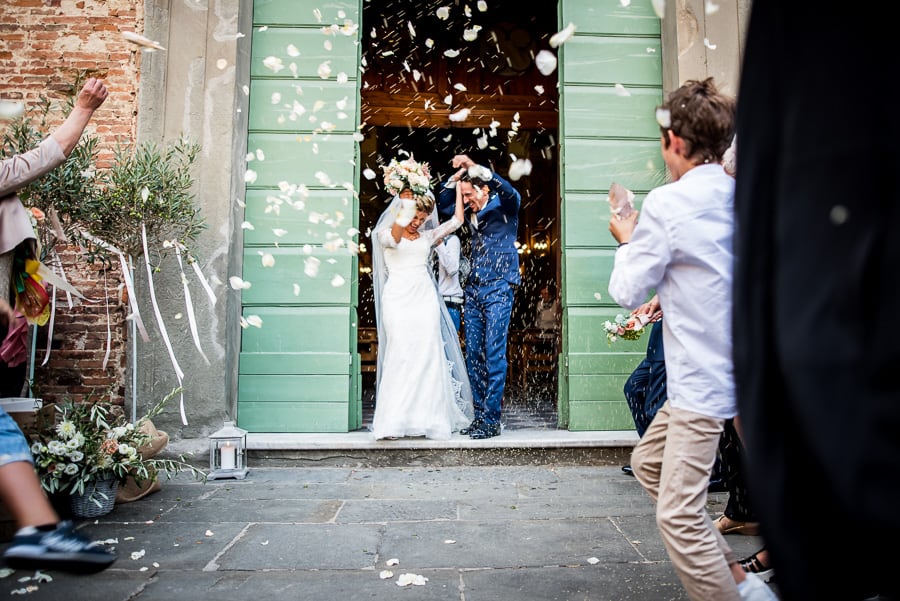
x: 485, y: 431
x: 475, y: 425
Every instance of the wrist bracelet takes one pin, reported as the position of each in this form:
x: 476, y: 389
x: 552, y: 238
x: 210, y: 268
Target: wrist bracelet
x: 621, y: 244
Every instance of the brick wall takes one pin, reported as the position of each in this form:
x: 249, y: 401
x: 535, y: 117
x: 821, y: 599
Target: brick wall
x: 43, y: 44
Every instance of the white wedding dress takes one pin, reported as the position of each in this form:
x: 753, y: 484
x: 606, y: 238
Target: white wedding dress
x: 415, y: 395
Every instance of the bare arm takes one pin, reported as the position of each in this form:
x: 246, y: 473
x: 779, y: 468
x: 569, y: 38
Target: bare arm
x: 89, y: 99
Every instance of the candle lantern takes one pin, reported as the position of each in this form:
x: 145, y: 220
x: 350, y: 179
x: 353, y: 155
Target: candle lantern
x: 228, y: 453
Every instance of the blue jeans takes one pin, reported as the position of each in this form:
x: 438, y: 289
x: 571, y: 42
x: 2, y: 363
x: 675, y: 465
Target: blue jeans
x: 13, y: 446
x: 488, y: 308
x: 455, y: 314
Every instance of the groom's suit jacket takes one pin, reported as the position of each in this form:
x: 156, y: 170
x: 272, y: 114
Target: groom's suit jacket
x: 493, y: 255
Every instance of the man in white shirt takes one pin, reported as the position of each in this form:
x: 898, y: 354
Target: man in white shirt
x: 448, y: 254
x: 683, y: 249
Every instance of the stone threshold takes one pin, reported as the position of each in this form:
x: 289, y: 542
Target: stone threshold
x: 525, y: 438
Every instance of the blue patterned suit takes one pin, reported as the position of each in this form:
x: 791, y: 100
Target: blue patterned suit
x: 489, y: 291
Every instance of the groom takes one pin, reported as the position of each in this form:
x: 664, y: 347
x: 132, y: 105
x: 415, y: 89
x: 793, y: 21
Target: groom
x: 492, y: 209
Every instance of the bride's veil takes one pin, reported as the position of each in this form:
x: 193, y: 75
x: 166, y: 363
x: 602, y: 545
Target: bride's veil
x: 459, y: 376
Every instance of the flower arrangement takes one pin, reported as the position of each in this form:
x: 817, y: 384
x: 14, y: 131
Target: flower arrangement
x: 626, y: 328
x: 407, y: 173
x: 91, y: 441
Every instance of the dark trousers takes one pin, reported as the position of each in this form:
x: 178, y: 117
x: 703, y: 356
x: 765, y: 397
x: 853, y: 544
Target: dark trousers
x: 488, y: 308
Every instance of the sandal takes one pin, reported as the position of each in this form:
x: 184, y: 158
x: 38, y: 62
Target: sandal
x: 726, y: 525
x: 753, y: 565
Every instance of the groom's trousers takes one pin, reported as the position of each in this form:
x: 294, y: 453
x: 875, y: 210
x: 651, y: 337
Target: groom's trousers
x: 488, y: 307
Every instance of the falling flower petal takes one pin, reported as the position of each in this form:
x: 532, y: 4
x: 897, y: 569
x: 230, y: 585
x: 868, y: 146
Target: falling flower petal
x: 256, y: 322
x: 708, y: 44
x: 368, y: 173
x: 429, y: 43
x: 664, y: 118
x: 545, y: 62
x: 659, y: 7
x: 324, y: 70
x: 598, y: 296
x: 292, y: 51
x: 448, y: 99
x: 482, y: 5
x: 593, y: 560
x: 11, y: 110
x: 621, y: 91
x: 449, y: 541
x: 135, y: 555
x: 273, y: 63
x: 250, y: 176
x: 470, y: 35
x: 221, y: 64
x: 451, y: 53
x: 711, y: 8
x: 296, y: 289
x: 443, y: 13
x: 209, y: 533
x: 311, y: 266
x: 459, y: 115
x: 539, y: 89
x: 392, y: 562
x: 519, y: 168
x: 337, y: 281
x: 138, y: 39
x: 268, y: 260
x: 385, y: 574
x: 237, y: 283
x: 625, y: 3
x: 561, y: 37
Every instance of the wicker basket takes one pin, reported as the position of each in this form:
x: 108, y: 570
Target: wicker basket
x: 98, y: 499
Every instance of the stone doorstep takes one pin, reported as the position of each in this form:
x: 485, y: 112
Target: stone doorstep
x: 512, y: 447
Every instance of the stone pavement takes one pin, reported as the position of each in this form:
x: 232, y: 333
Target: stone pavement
x: 498, y: 533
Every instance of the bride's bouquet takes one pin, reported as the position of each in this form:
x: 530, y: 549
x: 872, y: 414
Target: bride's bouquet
x: 407, y: 173
x: 626, y: 328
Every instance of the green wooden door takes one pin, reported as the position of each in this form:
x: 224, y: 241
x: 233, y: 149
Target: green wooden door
x: 608, y: 134
x: 298, y: 370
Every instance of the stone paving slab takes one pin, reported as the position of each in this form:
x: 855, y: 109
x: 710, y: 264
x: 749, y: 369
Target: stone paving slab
x: 521, y: 533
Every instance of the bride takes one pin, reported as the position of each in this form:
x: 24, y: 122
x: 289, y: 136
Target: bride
x: 422, y: 388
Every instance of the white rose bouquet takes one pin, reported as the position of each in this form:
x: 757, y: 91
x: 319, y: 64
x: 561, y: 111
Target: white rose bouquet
x: 407, y: 173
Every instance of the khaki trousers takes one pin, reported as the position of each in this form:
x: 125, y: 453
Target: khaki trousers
x: 673, y: 462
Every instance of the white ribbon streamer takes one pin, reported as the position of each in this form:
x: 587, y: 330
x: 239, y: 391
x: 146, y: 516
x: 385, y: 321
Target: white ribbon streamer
x: 50, y: 328
x: 189, y: 306
x: 108, y: 328
x: 159, y: 320
x: 202, y: 278
x: 129, y: 284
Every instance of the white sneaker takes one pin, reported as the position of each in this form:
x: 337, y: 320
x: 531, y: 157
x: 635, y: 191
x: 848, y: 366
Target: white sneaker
x: 754, y: 589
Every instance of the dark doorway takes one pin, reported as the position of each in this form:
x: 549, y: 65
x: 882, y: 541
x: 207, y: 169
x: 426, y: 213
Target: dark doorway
x: 513, y: 111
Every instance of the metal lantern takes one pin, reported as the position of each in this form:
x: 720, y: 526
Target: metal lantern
x: 228, y: 453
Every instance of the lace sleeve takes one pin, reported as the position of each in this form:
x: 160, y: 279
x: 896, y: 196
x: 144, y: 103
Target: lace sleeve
x: 449, y: 226
x: 386, y: 238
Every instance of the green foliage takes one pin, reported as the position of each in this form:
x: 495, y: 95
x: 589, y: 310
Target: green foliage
x: 150, y: 186
x: 147, y: 184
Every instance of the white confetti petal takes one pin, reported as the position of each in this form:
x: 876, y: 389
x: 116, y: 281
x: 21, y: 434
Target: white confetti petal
x: 250, y: 176
x: 256, y: 322
x: 279, y: 232
x: 414, y: 579
x: 311, y: 266
x: 545, y: 62
x: 625, y: 3
x: 621, y: 91
x: 337, y: 281
x: 135, y: 555
x: 460, y: 115
x: 451, y: 53
x: 598, y: 296
x: 448, y: 99
x: 221, y: 64
x: 392, y: 562
x: 385, y: 574
x: 561, y: 37
x: 237, y: 283
x: 268, y: 260
x: 539, y: 89
x: 296, y: 289
x: 519, y: 168
x: 264, y: 543
x: 711, y: 8
x: 209, y: 533
x: 324, y: 70
x: 139, y: 40
x: 482, y: 6
x: 664, y: 118
x: 449, y: 541
x: 429, y: 43
x: 11, y: 110
x: 707, y: 43
x: 443, y: 13
x: 470, y: 35
x: 593, y: 560
x: 368, y: 173
x: 273, y: 63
